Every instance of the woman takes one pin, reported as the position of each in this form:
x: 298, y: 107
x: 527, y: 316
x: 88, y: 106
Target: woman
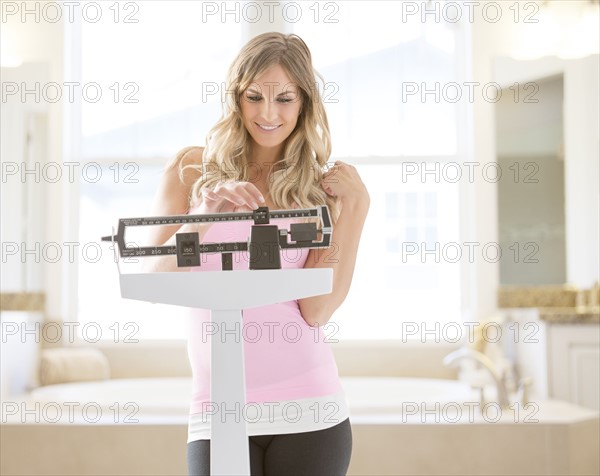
x: 269, y: 149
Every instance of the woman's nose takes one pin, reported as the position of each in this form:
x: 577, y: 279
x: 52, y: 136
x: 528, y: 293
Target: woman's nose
x: 269, y: 110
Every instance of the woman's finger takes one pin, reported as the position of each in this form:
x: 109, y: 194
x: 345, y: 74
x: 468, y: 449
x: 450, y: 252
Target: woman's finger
x: 237, y: 196
x: 249, y: 199
x: 251, y: 194
x: 209, y: 194
x: 224, y: 191
x: 247, y: 194
x: 238, y: 193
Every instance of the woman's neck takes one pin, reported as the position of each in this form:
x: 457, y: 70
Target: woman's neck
x: 263, y: 160
x: 265, y: 156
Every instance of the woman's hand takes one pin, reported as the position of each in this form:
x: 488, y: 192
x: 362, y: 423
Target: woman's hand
x: 230, y: 197
x: 342, y: 181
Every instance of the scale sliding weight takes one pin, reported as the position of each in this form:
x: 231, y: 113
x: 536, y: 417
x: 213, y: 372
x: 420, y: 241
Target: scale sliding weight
x: 227, y: 294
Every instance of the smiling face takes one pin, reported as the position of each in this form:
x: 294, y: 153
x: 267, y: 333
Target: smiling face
x: 270, y: 107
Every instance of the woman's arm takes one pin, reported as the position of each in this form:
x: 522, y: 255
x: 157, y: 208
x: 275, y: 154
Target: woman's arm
x: 343, y: 182
x: 172, y: 198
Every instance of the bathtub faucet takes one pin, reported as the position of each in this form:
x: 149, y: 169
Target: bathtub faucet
x: 466, y: 353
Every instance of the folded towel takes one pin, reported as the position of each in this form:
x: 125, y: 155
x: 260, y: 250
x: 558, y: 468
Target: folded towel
x: 66, y: 364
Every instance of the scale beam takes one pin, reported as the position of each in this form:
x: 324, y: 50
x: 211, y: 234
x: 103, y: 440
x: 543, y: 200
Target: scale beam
x: 303, y: 234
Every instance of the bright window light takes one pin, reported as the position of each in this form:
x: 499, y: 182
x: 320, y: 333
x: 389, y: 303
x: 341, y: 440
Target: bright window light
x: 373, y: 122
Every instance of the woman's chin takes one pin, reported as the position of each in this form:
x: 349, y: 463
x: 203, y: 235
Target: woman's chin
x: 274, y: 142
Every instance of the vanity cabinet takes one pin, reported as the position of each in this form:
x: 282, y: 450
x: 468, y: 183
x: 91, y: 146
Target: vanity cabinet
x: 560, y: 354
x: 574, y: 363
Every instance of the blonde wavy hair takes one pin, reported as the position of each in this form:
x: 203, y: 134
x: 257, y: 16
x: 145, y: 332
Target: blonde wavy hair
x: 296, y: 177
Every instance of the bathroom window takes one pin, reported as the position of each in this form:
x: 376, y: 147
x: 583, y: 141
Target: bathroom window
x: 99, y: 297
x: 390, y: 115
x: 380, y: 81
x: 401, y: 273
x: 377, y: 121
x: 154, y: 102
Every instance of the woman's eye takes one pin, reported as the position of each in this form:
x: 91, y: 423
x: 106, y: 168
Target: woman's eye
x: 258, y: 98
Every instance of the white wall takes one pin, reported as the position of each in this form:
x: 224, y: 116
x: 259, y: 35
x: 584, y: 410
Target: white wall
x: 582, y: 171
x: 562, y: 30
x: 37, y: 41
x: 31, y: 211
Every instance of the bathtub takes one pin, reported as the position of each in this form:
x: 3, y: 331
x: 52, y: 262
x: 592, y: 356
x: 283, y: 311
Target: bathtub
x: 399, y: 426
x: 171, y: 396
x: 370, y: 400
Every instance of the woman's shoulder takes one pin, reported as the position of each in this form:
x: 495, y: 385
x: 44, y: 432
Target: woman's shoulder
x: 185, y: 167
x: 172, y: 194
x: 191, y: 155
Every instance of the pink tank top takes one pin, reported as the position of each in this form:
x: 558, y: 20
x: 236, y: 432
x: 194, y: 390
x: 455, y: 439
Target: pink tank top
x: 285, y: 358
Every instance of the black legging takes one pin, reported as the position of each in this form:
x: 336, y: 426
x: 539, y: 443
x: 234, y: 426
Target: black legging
x: 312, y: 453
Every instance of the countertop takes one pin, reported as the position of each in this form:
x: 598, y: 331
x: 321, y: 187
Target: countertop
x: 556, y: 304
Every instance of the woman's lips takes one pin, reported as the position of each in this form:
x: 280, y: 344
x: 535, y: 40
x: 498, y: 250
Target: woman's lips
x: 266, y: 131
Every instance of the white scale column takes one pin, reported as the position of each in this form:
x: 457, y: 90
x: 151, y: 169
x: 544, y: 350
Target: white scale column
x: 226, y: 294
